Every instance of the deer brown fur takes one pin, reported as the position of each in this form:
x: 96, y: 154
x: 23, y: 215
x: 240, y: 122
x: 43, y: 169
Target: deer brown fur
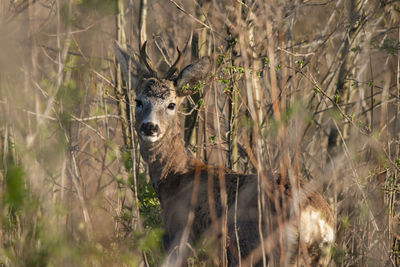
x: 185, y: 185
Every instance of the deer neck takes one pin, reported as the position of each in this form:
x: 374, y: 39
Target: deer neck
x: 166, y: 158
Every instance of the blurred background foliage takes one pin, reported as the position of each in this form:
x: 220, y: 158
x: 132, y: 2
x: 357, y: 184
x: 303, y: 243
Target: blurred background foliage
x: 307, y: 86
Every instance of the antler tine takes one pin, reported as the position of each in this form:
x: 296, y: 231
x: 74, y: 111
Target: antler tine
x: 178, y: 62
x: 147, y: 63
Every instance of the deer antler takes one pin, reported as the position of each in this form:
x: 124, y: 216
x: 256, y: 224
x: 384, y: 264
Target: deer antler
x: 176, y: 66
x: 178, y: 62
x: 147, y: 63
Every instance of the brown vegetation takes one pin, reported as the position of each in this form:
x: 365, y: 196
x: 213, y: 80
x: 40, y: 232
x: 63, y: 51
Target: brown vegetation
x: 298, y: 88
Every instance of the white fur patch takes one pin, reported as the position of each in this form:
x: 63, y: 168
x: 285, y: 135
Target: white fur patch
x: 314, y: 228
x: 149, y: 138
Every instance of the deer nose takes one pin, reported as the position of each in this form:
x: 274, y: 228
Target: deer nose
x: 150, y: 129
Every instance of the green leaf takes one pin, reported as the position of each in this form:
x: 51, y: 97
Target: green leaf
x: 15, y: 186
x: 266, y: 62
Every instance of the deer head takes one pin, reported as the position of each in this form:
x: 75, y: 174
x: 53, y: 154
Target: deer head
x: 158, y: 99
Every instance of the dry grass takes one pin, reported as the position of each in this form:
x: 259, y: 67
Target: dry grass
x: 307, y: 88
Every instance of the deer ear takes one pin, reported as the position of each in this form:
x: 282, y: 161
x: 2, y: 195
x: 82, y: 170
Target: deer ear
x: 191, y: 74
x: 129, y: 71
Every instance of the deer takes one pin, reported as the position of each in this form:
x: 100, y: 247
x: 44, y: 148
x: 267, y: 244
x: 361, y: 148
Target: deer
x: 195, y: 204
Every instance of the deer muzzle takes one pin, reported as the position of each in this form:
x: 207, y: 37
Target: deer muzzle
x: 149, y: 131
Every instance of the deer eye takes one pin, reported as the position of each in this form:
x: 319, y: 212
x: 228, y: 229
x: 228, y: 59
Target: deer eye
x: 171, y: 106
x: 139, y: 103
